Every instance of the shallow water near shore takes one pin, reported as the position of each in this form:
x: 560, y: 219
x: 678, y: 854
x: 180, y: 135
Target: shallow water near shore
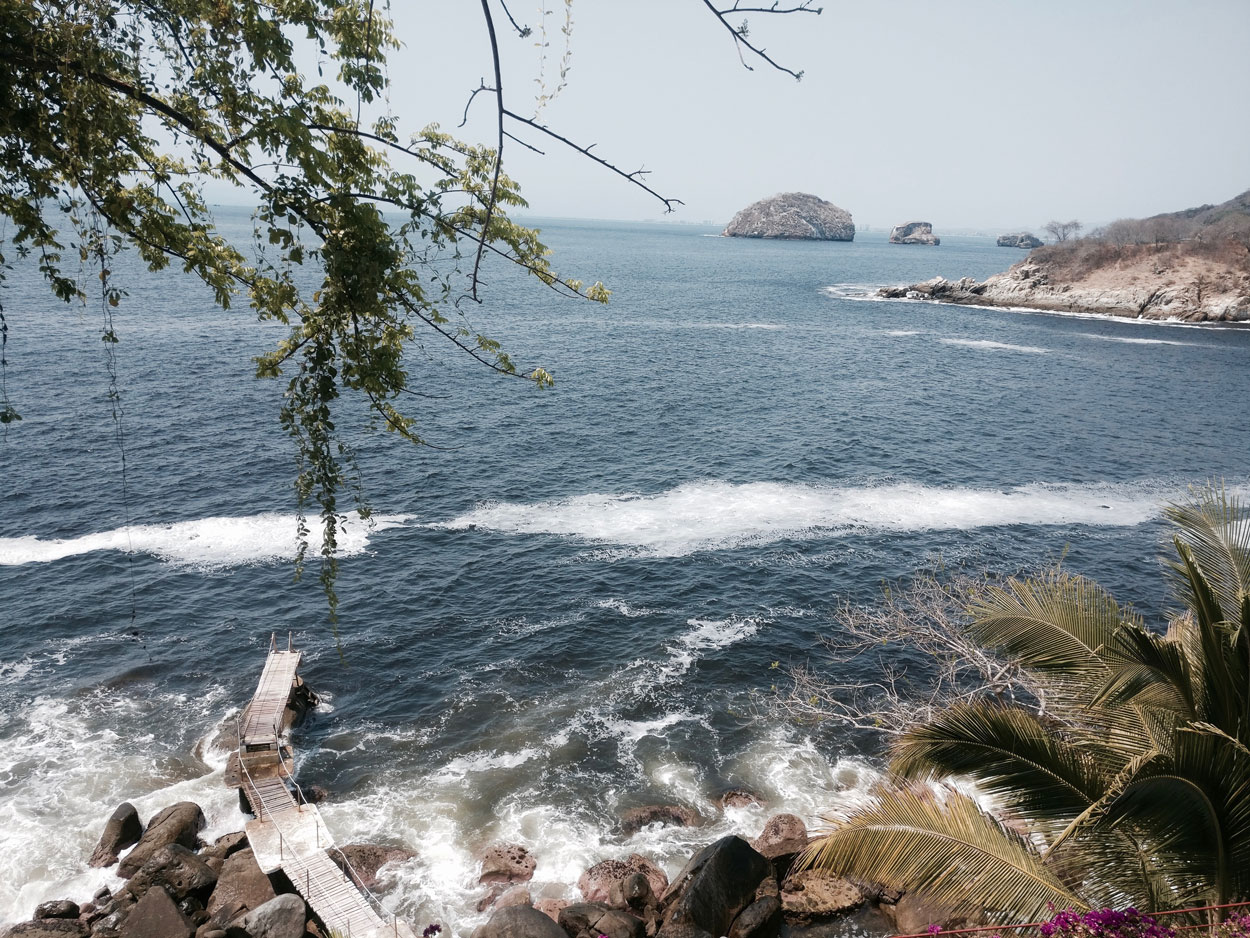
x: 566, y: 610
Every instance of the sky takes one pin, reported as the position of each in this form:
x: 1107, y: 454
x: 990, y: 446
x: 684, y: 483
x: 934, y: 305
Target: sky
x: 983, y: 114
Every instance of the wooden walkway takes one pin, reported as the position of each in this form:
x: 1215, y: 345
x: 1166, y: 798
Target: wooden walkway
x: 287, y: 835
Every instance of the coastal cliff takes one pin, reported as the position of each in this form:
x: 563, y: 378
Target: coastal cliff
x: 1190, y: 266
x: 914, y: 232
x: 792, y: 216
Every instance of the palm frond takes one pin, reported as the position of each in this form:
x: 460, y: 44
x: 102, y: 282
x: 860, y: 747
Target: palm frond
x: 1225, y: 692
x: 1031, y: 766
x: 1215, y: 527
x: 1151, y: 671
x: 947, y: 848
x: 1058, y: 624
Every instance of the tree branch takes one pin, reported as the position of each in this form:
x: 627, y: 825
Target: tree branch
x: 494, y: 185
x: 740, y: 32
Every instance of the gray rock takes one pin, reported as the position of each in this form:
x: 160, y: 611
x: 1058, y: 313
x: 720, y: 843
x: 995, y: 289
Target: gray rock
x: 280, y: 917
x: 793, y: 216
x: 813, y: 894
x: 241, y: 887
x: 782, y: 834
x: 761, y: 919
x: 177, y: 824
x: 226, y: 845
x: 591, y: 919
x: 713, y: 888
x: 914, y: 912
x: 123, y: 829
x: 597, y: 883
x: 57, y: 908
x: 1021, y: 239
x: 519, y: 921
x: 156, y: 916
x: 666, y: 815
x: 914, y: 232
x: 49, y: 928
x: 551, y: 907
x: 507, y: 863
x: 632, y: 892
x: 178, y: 870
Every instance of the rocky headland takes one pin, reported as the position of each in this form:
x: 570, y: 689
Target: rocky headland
x: 792, y: 216
x: 1022, y: 239
x: 1190, y: 266
x: 914, y: 232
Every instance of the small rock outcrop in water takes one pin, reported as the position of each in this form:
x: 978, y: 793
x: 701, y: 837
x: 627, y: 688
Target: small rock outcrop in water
x: 122, y: 830
x: 1022, y: 239
x: 794, y: 216
x: 914, y: 232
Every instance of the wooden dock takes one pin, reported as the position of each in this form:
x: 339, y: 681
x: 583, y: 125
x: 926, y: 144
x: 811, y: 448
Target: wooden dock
x: 286, y: 834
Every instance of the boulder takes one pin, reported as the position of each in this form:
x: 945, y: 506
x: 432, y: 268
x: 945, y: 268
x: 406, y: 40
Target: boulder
x: 1022, y: 239
x: 299, y: 704
x: 507, y: 863
x: 914, y: 232
x: 156, y: 916
x: 58, y: 908
x: 761, y: 919
x: 552, y: 907
x: 739, y: 798
x: 782, y: 834
x: 666, y: 815
x: 811, y: 894
x: 591, y: 919
x: 48, y: 928
x: 241, y: 887
x: 123, y: 829
x: 519, y: 921
x: 517, y: 895
x: 914, y: 912
x: 633, y: 892
x: 792, y: 216
x: 280, y: 917
x: 177, y: 824
x: 596, y: 883
x: 178, y: 870
x: 366, y: 859
x: 225, y: 845
x: 713, y: 888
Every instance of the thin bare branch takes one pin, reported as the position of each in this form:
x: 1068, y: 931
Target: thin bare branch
x: 494, y: 184
x: 633, y: 177
x: 740, y: 32
x: 522, y: 31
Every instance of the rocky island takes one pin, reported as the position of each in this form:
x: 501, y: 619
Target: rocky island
x: 1022, y: 239
x: 914, y: 232
x: 1189, y: 266
x: 792, y: 216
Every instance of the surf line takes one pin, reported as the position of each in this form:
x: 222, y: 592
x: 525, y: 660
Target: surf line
x: 286, y: 833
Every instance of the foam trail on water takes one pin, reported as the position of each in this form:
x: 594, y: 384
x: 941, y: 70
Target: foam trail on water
x: 721, y: 515
x: 986, y: 345
x: 203, y: 543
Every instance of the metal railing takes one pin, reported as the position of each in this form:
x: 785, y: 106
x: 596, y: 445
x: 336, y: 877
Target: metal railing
x: 1155, y: 915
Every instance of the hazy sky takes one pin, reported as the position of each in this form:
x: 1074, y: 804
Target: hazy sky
x: 966, y: 113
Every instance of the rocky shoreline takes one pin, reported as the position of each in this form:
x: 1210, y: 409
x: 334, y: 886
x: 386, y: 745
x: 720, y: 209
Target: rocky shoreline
x: 178, y: 886
x: 1194, y: 294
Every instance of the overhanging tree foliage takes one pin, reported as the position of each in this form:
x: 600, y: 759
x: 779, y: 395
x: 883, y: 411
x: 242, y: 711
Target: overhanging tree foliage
x: 115, y: 113
x: 1128, y: 780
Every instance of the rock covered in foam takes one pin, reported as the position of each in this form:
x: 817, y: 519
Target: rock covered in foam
x: 666, y: 815
x: 792, y: 216
x: 914, y: 232
x: 362, y: 861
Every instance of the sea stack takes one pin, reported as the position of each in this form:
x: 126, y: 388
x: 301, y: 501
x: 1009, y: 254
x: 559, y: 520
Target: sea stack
x: 1022, y: 239
x: 795, y: 216
x: 914, y: 232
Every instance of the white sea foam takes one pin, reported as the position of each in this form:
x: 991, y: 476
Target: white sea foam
x: 902, y: 333
x: 624, y: 608
x: 720, y: 515
x: 706, y: 635
x: 1138, y: 341
x: 990, y: 346
x: 205, y: 543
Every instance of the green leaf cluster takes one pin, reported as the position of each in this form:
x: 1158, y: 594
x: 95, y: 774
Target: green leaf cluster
x: 114, y: 114
x: 1128, y: 783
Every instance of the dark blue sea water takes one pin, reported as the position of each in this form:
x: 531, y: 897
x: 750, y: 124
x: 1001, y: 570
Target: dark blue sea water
x: 564, y: 609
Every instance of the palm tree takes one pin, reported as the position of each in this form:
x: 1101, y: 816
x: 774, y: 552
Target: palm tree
x: 1128, y: 779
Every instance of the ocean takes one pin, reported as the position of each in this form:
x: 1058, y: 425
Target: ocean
x: 571, y: 604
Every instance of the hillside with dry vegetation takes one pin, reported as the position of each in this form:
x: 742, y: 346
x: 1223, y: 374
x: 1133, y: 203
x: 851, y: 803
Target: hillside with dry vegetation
x: 1192, y: 266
